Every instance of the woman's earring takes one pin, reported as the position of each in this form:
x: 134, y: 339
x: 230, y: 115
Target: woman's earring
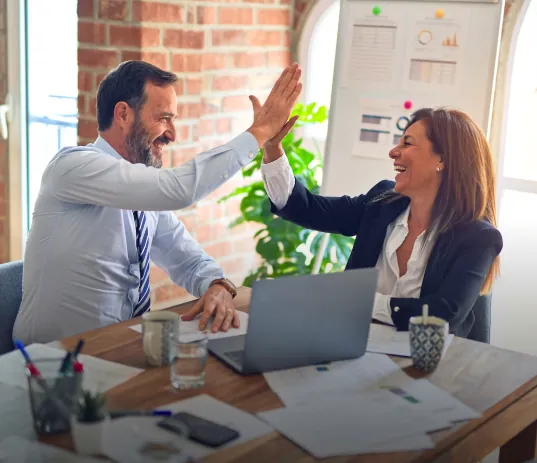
x: 438, y: 169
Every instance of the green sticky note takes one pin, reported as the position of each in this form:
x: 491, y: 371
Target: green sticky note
x: 376, y: 10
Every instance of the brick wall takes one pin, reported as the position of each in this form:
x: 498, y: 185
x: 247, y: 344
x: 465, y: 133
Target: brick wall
x: 222, y: 51
x: 4, y: 229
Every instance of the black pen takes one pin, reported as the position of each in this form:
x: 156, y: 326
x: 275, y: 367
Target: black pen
x: 78, y: 348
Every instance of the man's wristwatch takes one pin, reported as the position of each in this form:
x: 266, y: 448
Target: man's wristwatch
x: 228, y: 284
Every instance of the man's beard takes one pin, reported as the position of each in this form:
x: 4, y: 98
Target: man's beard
x: 139, y: 144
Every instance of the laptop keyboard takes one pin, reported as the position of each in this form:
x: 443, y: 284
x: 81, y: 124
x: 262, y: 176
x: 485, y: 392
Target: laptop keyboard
x: 236, y: 355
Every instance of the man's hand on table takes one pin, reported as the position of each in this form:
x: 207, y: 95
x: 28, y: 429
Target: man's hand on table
x: 218, y: 302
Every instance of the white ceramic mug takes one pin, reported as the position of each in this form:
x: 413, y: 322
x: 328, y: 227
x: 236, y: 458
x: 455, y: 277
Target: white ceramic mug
x: 159, y: 329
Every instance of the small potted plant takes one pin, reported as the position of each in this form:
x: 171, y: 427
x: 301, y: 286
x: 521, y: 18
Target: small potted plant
x: 88, y: 426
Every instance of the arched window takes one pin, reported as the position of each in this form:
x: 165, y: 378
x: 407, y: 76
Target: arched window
x: 317, y: 51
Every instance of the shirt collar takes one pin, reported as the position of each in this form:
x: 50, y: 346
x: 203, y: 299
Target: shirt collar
x: 103, y: 145
x: 402, y: 220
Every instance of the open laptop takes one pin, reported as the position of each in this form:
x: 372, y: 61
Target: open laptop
x: 303, y: 320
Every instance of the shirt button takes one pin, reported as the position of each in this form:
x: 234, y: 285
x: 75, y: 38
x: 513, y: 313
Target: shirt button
x: 396, y: 309
x: 225, y: 176
x: 251, y: 155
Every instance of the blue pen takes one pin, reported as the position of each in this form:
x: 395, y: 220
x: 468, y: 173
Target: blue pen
x: 122, y: 413
x: 19, y: 345
x: 78, y: 348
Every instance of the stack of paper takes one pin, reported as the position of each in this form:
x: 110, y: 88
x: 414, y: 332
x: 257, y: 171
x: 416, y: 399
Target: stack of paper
x: 385, y: 339
x: 99, y: 374
x: 365, y: 405
x: 189, y: 330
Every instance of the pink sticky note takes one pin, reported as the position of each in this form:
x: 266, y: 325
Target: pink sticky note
x: 408, y: 104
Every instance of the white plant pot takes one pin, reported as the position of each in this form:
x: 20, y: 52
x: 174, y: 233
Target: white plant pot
x: 88, y: 437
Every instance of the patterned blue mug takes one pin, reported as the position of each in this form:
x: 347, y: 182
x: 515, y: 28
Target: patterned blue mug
x: 427, y: 342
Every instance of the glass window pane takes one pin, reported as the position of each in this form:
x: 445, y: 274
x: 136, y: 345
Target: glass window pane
x: 320, y: 67
x: 52, y: 84
x: 520, y: 155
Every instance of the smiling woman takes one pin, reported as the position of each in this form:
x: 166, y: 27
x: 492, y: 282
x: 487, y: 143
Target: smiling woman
x: 431, y: 234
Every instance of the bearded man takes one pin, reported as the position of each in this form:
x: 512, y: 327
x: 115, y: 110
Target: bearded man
x: 104, y: 210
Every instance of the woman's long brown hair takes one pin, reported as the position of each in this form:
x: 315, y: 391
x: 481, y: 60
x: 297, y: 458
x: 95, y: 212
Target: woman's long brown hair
x: 467, y: 191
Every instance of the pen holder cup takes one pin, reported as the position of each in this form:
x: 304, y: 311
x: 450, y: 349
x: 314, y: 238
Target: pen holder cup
x: 53, y: 396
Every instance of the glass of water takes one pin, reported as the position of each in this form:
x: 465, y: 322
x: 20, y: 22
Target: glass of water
x: 187, y: 370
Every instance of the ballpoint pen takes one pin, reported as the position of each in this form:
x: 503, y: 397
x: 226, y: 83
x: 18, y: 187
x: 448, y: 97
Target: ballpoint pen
x: 122, y: 413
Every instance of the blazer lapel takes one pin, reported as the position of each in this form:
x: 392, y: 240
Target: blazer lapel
x: 370, y: 238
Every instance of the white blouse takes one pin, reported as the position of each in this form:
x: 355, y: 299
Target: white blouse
x: 279, y: 183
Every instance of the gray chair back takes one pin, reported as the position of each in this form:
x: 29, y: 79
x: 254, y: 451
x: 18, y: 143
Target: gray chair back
x: 481, y: 329
x: 10, y: 301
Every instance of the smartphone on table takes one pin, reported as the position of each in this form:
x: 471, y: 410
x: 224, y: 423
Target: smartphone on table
x: 199, y: 429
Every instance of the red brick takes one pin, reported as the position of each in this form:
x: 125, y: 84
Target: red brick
x: 134, y: 36
x: 223, y: 125
x: 157, y: 59
x: 211, y: 232
x: 260, y: 38
x: 186, y: 63
x: 211, y: 61
x: 230, y: 82
x: 85, y: 81
x: 220, y: 38
x: 92, y: 106
x: 236, y: 16
x: 193, y: 85
x: 91, y: 33
x: 287, y: 40
x: 204, y: 127
x: 87, y: 129
x: 157, y: 12
x: 279, y: 58
x: 180, y: 87
x: 157, y: 275
x: 167, y: 292
x: 184, y: 39
x: 189, y: 110
x: 182, y: 155
x: 206, y: 15
x: 113, y: 9
x: 97, y: 58
x: 236, y: 103
x: 262, y: 1
x: 223, y: 249
x: 182, y: 132
x: 244, y: 245
x: 275, y: 17
x: 211, y: 105
x: 249, y: 60
x: 85, y: 9
x: 98, y: 79
x: 81, y: 104
x: 234, y: 266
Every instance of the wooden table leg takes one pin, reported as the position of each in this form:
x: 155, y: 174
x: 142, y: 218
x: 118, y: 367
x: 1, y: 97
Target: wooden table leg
x: 522, y: 447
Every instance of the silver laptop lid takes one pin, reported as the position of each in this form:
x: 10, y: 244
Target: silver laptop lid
x: 302, y: 320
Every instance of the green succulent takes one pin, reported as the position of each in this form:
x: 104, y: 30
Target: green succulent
x: 91, y: 407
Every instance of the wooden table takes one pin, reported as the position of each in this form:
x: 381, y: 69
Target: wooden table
x: 499, y: 383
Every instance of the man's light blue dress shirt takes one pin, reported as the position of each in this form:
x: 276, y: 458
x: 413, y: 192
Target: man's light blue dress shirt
x: 81, y: 267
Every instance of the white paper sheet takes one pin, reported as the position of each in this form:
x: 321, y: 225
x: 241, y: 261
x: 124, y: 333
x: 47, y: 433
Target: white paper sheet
x: 370, y: 422
x: 99, y: 374
x: 304, y: 385
x: 387, y: 340
x: 15, y: 413
x: 19, y: 450
x: 188, y: 331
x: 434, y: 400
x: 123, y: 432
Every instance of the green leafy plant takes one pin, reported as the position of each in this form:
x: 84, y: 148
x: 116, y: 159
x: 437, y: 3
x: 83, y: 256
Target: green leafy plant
x: 285, y: 248
x: 91, y: 407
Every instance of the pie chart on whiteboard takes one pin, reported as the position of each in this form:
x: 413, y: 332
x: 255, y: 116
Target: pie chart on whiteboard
x: 425, y: 36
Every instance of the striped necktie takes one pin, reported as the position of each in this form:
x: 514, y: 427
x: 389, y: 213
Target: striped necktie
x: 142, y: 241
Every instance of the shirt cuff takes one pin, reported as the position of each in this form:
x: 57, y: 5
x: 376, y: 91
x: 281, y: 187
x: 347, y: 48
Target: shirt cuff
x: 275, y: 167
x: 245, y: 146
x: 204, y: 286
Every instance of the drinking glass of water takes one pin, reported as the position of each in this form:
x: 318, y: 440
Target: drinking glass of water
x: 187, y: 369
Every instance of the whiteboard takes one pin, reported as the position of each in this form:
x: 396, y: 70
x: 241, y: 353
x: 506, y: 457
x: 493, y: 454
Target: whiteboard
x: 394, y: 57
